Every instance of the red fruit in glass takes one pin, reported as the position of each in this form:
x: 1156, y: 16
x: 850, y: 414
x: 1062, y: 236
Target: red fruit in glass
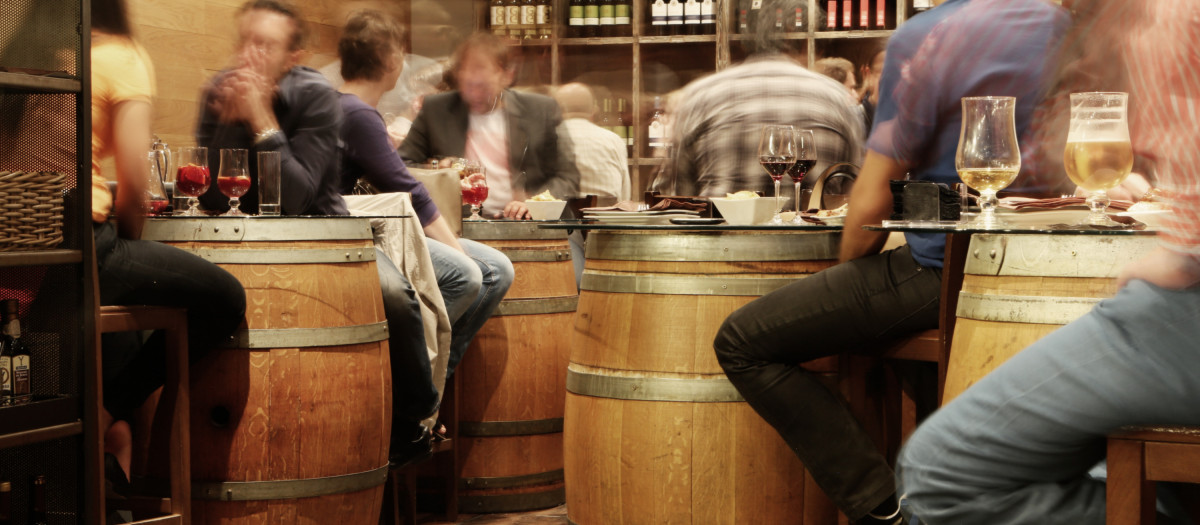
x: 192, y: 180
x: 234, y: 186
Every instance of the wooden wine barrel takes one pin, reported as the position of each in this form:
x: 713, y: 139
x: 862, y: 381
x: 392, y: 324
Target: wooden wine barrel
x: 291, y: 423
x: 654, y: 431
x: 513, y: 376
x: 1017, y: 288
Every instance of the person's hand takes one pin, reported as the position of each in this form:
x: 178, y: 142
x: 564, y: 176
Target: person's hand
x: 516, y: 210
x: 1131, y: 189
x: 1163, y: 268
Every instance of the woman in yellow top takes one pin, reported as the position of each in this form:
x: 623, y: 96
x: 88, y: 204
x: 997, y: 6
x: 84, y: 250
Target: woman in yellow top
x: 133, y: 271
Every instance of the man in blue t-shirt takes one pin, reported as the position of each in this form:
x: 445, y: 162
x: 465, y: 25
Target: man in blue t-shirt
x: 961, y: 48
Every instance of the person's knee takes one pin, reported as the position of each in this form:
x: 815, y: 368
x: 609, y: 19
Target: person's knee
x: 731, y: 343
x: 502, y: 272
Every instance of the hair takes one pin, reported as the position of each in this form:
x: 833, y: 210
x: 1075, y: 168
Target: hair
x: 111, y: 17
x: 367, y: 41
x: 489, y: 45
x: 836, y: 68
x: 285, y: 8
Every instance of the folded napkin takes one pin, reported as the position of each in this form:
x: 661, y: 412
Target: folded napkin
x: 674, y: 204
x: 1022, y: 203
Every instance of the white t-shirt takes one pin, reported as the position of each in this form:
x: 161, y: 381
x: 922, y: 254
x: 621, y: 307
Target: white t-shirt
x: 487, y: 142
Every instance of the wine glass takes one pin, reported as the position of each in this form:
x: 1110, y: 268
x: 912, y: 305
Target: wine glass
x: 474, y: 189
x: 1099, y: 155
x: 806, y: 158
x: 777, y: 153
x: 988, y: 158
x: 191, y: 176
x: 233, y: 179
x: 156, y: 192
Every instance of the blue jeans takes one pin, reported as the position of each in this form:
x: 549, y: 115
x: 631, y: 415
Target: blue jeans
x: 1016, y: 447
x: 413, y: 395
x: 472, y: 286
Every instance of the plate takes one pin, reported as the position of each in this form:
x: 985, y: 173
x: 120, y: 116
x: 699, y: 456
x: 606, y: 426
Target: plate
x: 648, y: 213
x: 696, y: 221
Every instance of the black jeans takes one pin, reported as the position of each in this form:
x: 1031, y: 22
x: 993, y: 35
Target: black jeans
x: 151, y: 273
x: 849, y: 308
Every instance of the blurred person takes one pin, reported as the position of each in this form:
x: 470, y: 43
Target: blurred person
x: 132, y: 271
x: 600, y: 155
x: 513, y: 134
x: 840, y: 70
x: 872, y: 298
x: 268, y: 102
x: 471, y: 276
x: 1017, y: 446
x: 716, y: 124
x: 870, y: 88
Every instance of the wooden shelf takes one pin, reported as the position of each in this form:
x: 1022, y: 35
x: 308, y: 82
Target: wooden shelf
x: 597, y: 40
x: 40, y: 258
x: 677, y: 39
x: 826, y: 35
x: 39, y: 83
x: 40, y: 420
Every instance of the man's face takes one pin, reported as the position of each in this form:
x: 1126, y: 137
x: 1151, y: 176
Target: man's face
x: 480, y: 81
x: 264, y: 39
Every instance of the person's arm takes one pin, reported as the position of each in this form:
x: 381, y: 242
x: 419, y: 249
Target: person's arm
x: 131, y: 137
x: 870, y: 203
x: 368, y: 148
x: 415, y: 148
x: 307, y: 149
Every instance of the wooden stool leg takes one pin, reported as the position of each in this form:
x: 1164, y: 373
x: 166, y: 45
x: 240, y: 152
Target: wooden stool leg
x: 1129, y: 496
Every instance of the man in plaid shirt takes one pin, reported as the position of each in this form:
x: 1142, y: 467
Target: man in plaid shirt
x: 1017, y: 446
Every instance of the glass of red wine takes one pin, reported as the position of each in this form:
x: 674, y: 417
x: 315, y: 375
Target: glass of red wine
x: 191, y: 176
x: 777, y: 153
x: 474, y: 188
x: 234, y: 178
x: 806, y: 158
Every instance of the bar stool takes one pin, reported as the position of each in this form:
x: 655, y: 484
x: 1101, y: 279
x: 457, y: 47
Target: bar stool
x: 174, y: 399
x: 400, y: 495
x: 1138, y: 457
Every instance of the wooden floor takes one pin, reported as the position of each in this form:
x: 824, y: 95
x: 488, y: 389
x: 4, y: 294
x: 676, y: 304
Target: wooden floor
x: 554, y: 516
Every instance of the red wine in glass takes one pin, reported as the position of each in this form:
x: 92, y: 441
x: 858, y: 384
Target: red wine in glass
x: 192, y: 180
x: 798, y: 170
x: 776, y: 166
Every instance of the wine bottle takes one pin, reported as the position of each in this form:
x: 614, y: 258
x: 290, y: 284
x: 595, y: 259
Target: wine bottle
x: 625, y: 122
x: 37, y: 502
x: 623, y: 15
x: 831, y: 15
x: 6, y: 369
x: 656, y: 131
x: 545, y: 18
x: 575, y: 18
x: 591, y: 17
x: 608, y: 17
x: 708, y: 19
x: 691, y: 17
x: 752, y: 17
x: 512, y: 18
x: 675, y: 17
x: 498, y: 18
x: 848, y: 12
x: 529, y: 19
x: 658, y: 17
x: 801, y: 22
x: 21, y: 370
x: 605, y: 119
x: 743, y: 14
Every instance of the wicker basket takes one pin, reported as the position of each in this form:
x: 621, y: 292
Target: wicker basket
x: 31, y: 210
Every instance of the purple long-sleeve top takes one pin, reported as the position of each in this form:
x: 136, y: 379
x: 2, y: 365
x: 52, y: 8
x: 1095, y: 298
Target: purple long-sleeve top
x: 366, y: 152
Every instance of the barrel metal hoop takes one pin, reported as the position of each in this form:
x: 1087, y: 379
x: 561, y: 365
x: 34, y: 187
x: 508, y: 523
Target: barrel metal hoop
x: 527, y: 255
x: 289, y: 488
x: 1084, y: 256
x: 510, y: 428
x: 509, y: 230
x: 486, y: 504
x: 258, y: 229
x: 308, y: 337
x: 693, y: 247
x: 1023, y: 308
x: 540, y: 305
x: 665, y: 284
x: 717, y: 390
x: 508, y: 482
x: 284, y: 256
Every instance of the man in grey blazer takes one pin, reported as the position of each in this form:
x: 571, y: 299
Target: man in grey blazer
x: 511, y: 133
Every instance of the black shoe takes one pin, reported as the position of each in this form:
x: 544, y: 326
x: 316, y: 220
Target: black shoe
x: 406, y: 452
x: 116, y: 485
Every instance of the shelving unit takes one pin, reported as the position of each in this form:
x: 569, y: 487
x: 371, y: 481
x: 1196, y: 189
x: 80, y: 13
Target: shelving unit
x: 641, y: 66
x: 45, y: 124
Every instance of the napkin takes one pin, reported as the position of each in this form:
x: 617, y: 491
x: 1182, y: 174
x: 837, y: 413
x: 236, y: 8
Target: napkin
x: 673, y: 204
x: 1022, y: 203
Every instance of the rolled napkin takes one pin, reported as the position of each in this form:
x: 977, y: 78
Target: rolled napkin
x: 673, y: 204
x: 1022, y: 203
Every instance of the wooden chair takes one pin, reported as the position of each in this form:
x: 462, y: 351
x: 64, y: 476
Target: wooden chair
x: 1139, y: 457
x: 400, y: 495
x: 171, y: 419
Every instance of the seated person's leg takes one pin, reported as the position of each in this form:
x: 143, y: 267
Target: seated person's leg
x: 498, y: 276
x: 851, y: 307
x: 459, y: 278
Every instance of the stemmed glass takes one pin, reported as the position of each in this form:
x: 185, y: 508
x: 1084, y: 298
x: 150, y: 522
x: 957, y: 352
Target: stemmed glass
x: 474, y: 188
x: 234, y: 179
x: 777, y: 153
x: 1099, y: 155
x: 191, y: 176
x: 806, y: 158
x: 156, y: 191
x: 988, y: 157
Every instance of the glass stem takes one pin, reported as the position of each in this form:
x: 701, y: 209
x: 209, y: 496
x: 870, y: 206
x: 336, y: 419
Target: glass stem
x: 778, y: 206
x: 796, y: 188
x: 1098, y: 202
x: 987, y: 206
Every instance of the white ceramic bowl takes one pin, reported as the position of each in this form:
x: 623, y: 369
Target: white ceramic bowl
x: 546, y: 210
x: 743, y: 212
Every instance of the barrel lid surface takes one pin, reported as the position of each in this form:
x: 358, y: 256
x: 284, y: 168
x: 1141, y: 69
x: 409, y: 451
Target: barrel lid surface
x: 504, y: 230
x: 713, y: 246
x: 1054, y: 255
x: 235, y: 229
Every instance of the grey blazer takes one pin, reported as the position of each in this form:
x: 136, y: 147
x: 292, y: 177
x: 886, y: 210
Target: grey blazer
x: 539, y: 159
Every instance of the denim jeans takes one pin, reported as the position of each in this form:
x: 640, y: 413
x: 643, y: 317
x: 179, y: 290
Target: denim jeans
x: 850, y: 308
x: 1016, y: 446
x: 414, y: 396
x: 472, y: 286
x: 150, y: 273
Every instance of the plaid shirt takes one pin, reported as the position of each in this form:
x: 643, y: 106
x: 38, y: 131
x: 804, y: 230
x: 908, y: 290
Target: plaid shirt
x: 716, y: 127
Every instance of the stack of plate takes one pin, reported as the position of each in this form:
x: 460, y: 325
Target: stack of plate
x: 638, y: 217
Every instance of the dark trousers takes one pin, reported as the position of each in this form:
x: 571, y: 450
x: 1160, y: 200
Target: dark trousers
x: 150, y: 273
x: 850, y: 308
x: 414, y: 396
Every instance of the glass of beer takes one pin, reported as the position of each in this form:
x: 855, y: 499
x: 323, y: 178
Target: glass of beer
x: 988, y: 157
x: 777, y: 153
x: 1099, y: 155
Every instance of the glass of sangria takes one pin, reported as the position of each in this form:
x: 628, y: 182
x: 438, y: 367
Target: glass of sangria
x: 191, y: 176
x: 474, y: 189
x: 234, y: 179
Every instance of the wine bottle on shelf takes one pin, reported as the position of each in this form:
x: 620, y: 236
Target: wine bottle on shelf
x: 37, y: 501
x: 512, y: 18
x: 848, y: 12
x: 675, y: 17
x: 778, y: 27
x: 885, y: 14
x: 529, y: 19
x: 499, y: 28
x: 545, y: 18
x: 864, y: 14
x: 752, y: 18
x: 743, y: 16
x: 604, y: 118
x: 800, y: 23
x: 6, y: 368
x: 575, y: 18
x: 591, y: 18
x: 922, y: 5
x: 656, y: 131
x: 5, y: 503
x: 623, y: 17
x: 831, y: 15
x: 625, y: 121
x: 708, y: 18
x: 608, y: 18
x: 658, y: 17
x: 21, y: 366
x: 691, y: 17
